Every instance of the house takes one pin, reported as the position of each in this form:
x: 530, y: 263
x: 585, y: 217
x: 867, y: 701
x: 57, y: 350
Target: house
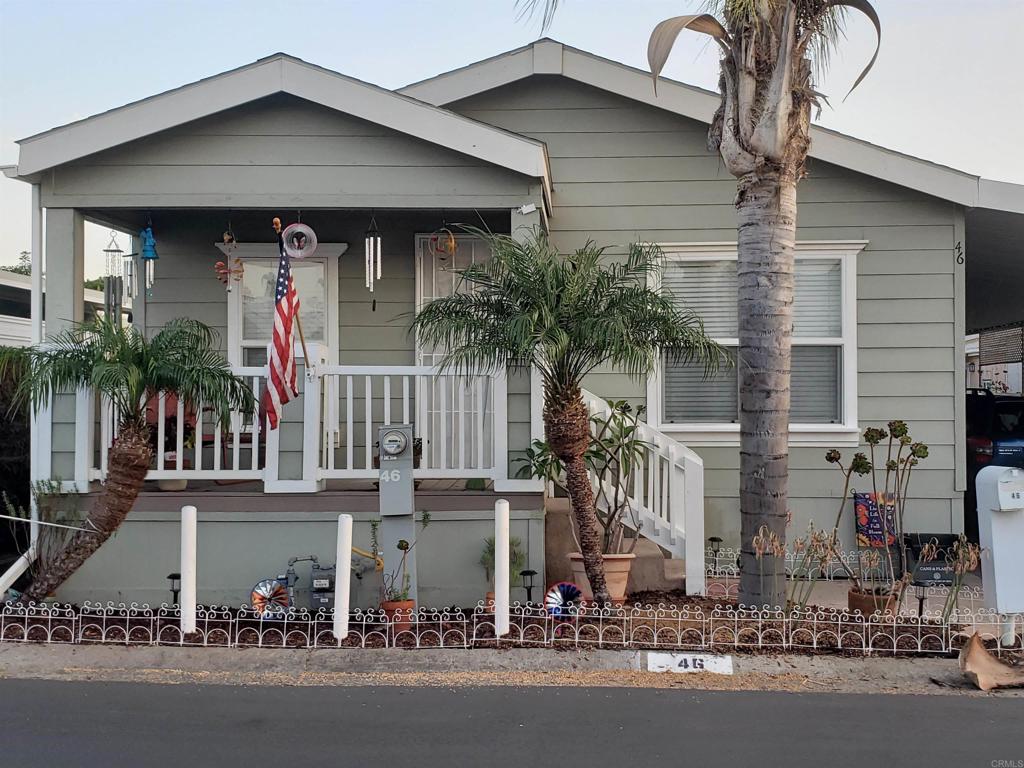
x: 16, y: 306
x: 898, y: 259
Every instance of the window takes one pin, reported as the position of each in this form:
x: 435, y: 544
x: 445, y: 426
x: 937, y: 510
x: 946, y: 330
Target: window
x: 823, y: 384
x: 251, y: 302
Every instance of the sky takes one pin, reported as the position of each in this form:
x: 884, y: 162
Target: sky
x: 946, y: 86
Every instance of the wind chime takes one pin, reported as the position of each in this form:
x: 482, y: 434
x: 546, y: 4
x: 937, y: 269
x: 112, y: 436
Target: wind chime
x: 148, y: 255
x: 373, y: 254
x: 116, y: 277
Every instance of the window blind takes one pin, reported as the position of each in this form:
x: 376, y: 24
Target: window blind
x: 817, y: 303
x: 815, y: 385
x: 689, y: 397
x: 709, y: 289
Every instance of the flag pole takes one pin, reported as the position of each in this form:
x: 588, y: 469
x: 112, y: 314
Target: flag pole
x: 298, y: 320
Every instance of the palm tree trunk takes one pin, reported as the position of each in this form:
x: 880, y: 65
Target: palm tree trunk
x: 128, y: 463
x: 766, y: 205
x: 567, y: 430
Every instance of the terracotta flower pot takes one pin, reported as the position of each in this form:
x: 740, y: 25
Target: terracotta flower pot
x: 489, y: 599
x: 400, y: 609
x: 868, y: 602
x: 616, y: 573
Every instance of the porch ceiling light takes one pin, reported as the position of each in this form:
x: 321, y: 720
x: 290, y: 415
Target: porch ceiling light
x: 373, y: 256
x: 149, y: 256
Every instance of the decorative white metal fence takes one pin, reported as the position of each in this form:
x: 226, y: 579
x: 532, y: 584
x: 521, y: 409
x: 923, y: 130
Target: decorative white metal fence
x: 716, y: 629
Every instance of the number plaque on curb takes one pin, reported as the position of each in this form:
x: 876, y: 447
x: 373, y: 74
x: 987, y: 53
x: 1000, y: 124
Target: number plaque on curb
x: 689, y: 662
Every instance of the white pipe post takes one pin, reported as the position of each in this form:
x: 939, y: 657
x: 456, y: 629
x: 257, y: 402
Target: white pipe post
x: 187, y: 599
x: 342, y: 577
x: 501, y: 566
x: 1009, y: 633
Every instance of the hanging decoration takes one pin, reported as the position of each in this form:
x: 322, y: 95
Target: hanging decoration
x: 299, y: 241
x: 229, y: 273
x: 442, y: 244
x: 229, y: 239
x: 114, y: 284
x: 148, y: 255
x: 373, y: 255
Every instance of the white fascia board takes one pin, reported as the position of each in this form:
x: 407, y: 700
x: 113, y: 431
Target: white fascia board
x: 698, y: 104
x: 1001, y: 195
x: 275, y: 75
x: 149, y: 116
x: 415, y: 118
x: 473, y: 79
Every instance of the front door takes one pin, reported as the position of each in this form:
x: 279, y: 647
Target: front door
x: 452, y: 408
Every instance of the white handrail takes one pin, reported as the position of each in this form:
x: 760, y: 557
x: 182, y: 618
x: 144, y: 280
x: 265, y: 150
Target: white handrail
x: 667, y: 496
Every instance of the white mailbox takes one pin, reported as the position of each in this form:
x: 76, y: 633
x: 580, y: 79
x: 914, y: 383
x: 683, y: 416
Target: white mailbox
x: 1001, y: 529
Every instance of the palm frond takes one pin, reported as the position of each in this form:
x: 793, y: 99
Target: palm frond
x: 126, y: 368
x: 527, y: 9
x: 566, y: 315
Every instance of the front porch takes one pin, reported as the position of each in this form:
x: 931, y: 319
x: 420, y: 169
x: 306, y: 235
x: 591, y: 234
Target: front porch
x: 367, y: 370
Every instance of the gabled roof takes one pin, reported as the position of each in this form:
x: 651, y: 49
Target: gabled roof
x: 281, y: 73
x: 549, y: 57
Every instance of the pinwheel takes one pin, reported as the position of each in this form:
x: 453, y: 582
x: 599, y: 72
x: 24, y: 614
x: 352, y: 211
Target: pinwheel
x: 561, y: 597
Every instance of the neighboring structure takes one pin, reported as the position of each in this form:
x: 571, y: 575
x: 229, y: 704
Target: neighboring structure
x: 16, y: 305
x: 894, y: 259
x: 994, y: 360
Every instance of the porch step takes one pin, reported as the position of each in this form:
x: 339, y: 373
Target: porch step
x: 653, y: 569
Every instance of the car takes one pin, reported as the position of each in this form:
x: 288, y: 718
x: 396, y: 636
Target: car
x: 995, y: 437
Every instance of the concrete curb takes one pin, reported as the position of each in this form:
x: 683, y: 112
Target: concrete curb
x: 515, y: 666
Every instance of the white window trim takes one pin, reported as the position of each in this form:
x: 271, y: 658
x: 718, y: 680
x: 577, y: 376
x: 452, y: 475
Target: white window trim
x: 328, y: 253
x: 845, y: 433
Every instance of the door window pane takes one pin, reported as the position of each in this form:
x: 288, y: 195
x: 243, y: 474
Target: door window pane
x: 258, y: 283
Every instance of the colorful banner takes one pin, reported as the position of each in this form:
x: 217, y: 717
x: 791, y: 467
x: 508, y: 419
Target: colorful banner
x: 872, y: 531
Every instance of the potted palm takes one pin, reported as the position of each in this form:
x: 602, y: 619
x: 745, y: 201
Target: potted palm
x: 121, y: 364
x: 516, y: 562
x: 883, y: 576
x: 612, y: 457
x: 530, y: 306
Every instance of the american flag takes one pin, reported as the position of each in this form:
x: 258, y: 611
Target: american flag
x: 282, y: 384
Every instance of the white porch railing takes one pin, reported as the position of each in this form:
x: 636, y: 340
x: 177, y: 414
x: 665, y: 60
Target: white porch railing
x: 665, y: 496
x: 190, y: 444
x: 459, y: 424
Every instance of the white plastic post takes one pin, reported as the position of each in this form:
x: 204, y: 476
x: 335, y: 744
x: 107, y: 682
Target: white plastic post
x: 187, y: 598
x: 501, y: 566
x: 1009, y: 633
x: 342, y: 577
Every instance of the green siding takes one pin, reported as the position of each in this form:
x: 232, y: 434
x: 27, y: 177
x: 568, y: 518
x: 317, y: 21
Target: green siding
x: 624, y: 172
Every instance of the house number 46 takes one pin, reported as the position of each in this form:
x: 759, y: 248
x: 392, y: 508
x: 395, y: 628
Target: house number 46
x: 391, y: 476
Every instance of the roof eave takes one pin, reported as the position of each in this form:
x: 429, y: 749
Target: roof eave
x: 551, y: 57
x: 283, y: 74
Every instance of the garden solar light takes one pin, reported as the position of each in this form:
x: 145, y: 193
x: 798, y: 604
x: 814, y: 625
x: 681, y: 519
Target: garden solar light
x: 527, y: 577
x: 175, y: 579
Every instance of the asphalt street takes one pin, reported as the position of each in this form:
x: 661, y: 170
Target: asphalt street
x: 55, y: 723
